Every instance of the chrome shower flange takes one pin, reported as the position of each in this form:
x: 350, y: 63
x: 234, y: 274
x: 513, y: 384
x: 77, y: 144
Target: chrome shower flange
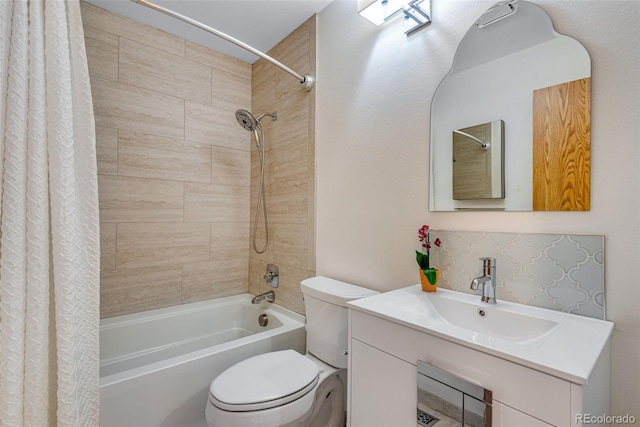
x: 308, y: 82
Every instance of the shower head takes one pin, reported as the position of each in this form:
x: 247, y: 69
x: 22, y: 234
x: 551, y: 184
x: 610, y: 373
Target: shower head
x: 251, y: 123
x: 246, y: 120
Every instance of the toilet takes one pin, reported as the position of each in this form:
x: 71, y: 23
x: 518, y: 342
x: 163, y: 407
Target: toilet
x: 286, y: 388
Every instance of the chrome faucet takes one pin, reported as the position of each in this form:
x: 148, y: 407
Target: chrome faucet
x: 267, y: 296
x: 487, y: 280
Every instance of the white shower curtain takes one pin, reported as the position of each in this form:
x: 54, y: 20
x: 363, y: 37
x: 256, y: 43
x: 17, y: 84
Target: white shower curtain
x: 49, y: 227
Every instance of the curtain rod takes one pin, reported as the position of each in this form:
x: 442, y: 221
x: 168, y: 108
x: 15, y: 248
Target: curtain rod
x: 306, y: 81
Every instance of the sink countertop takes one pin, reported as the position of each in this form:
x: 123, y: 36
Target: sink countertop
x: 568, y: 350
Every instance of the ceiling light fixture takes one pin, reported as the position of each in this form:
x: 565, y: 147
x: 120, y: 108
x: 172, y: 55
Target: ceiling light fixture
x: 417, y: 13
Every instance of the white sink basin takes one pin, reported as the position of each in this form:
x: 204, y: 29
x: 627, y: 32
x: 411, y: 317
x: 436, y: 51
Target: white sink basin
x: 500, y: 320
x: 558, y: 343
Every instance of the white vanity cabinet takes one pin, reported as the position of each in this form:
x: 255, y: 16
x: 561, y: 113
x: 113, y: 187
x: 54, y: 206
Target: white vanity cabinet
x: 504, y: 415
x: 382, y: 386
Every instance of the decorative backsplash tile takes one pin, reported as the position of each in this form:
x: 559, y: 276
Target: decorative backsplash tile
x: 556, y: 271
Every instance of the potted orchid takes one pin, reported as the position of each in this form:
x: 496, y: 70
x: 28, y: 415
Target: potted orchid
x: 428, y: 274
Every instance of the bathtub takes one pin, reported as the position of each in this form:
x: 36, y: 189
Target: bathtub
x: 156, y: 366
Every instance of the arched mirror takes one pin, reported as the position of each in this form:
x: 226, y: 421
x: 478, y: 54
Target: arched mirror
x: 515, y: 107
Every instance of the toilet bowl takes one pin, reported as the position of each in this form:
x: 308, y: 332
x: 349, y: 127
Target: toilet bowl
x: 277, y: 389
x: 286, y: 388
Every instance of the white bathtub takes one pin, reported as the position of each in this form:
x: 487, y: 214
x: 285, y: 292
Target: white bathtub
x: 156, y: 366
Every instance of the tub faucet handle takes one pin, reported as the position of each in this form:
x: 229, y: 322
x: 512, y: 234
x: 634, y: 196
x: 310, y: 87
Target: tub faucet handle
x: 271, y: 276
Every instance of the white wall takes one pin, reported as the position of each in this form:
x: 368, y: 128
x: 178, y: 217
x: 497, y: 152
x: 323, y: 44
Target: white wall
x: 374, y: 92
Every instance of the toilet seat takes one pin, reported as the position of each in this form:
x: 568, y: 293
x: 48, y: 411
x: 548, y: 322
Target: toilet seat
x: 264, y: 381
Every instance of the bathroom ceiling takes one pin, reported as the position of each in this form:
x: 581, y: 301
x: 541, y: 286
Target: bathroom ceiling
x: 259, y: 23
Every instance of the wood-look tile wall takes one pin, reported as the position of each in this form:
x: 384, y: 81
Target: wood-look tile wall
x: 174, y: 167
x: 290, y: 164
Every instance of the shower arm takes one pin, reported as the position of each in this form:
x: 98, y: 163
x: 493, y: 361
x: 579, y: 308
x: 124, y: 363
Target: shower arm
x: 306, y: 81
x: 485, y: 145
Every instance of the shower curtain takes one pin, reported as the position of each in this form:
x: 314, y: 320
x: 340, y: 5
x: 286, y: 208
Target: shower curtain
x: 49, y: 228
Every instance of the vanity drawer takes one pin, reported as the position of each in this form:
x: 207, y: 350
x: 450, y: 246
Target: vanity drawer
x: 540, y: 395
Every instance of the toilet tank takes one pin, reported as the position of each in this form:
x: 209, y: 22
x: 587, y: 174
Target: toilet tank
x: 325, y: 304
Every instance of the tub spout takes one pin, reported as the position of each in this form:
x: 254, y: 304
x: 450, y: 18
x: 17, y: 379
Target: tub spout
x: 267, y: 296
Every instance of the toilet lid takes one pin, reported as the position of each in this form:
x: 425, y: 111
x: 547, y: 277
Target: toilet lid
x: 264, y: 381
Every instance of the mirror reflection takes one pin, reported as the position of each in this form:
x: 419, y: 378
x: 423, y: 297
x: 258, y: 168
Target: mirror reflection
x: 478, y: 164
x: 511, y: 52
